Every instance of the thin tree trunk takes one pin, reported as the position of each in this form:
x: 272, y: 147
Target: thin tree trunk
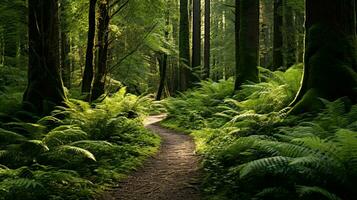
x: 237, y: 30
x: 207, y: 42
x: 89, y: 68
x: 278, y: 35
x: 45, y: 87
x: 196, y: 41
x: 162, y: 59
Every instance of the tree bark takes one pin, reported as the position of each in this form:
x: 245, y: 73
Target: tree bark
x: 196, y: 41
x: 162, y: 59
x: 98, y: 88
x: 278, y: 35
x: 290, y: 36
x: 248, y: 43
x: 236, y: 34
x: 45, y: 87
x: 89, y: 68
x: 184, y: 46
x: 207, y: 42
x: 330, y: 60
x: 65, y: 46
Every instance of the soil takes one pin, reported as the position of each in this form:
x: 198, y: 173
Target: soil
x: 172, y: 174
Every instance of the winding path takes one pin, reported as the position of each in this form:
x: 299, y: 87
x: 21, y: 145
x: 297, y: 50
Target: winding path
x: 173, y: 174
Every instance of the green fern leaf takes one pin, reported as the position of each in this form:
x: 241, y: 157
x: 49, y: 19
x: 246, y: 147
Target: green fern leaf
x: 77, y: 151
x: 272, y: 164
x: 308, y: 190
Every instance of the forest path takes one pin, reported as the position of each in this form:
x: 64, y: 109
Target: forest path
x: 172, y: 174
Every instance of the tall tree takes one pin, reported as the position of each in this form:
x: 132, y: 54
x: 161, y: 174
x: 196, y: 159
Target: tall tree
x: 289, y: 35
x: 236, y: 34
x: 163, y: 57
x: 65, y: 45
x: 207, y: 40
x: 89, y: 68
x: 102, y: 51
x: 278, y: 35
x: 330, y: 60
x: 196, y: 40
x: 248, y: 43
x: 45, y: 87
x: 184, y: 46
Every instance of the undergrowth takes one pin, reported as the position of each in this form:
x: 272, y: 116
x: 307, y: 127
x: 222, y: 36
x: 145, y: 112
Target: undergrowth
x: 76, y: 152
x: 253, y: 150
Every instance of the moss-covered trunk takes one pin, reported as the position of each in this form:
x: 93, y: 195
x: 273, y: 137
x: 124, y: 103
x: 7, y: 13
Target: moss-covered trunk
x: 330, y: 59
x: 98, y: 88
x: 45, y: 87
x: 248, y: 43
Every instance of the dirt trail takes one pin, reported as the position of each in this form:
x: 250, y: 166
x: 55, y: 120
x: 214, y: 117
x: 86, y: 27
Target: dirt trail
x: 173, y: 174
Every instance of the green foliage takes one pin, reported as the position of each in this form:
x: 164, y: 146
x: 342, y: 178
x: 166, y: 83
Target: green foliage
x: 253, y: 150
x: 77, y: 151
x: 199, y: 108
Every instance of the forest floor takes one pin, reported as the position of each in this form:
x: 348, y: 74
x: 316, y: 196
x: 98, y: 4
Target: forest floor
x: 172, y: 174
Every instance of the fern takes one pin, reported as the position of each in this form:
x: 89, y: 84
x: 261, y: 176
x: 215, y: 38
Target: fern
x: 64, y: 135
x: 9, y: 137
x: 67, y: 153
x: 308, y: 190
x: 273, y: 164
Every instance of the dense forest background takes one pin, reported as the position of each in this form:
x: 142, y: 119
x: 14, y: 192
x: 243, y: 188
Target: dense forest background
x: 267, y: 88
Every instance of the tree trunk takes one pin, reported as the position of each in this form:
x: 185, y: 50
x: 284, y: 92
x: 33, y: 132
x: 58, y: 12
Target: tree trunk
x: 237, y: 30
x: 196, y: 42
x: 278, y: 35
x: 248, y: 43
x: 162, y: 59
x: 207, y: 42
x: 102, y: 51
x: 290, y: 36
x: 89, y: 68
x: 65, y: 47
x: 184, y: 46
x: 330, y: 60
x: 45, y: 87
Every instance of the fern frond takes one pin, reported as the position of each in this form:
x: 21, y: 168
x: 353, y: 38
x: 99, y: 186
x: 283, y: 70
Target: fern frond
x: 9, y: 137
x: 4, y: 167
x: 272, y: 164
x: 64, y: 135
x: 308, y: 190
x: 76, y: 151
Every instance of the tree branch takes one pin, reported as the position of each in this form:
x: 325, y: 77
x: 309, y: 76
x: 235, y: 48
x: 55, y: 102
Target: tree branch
x: 133, y: 50
x: 120, y: 8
